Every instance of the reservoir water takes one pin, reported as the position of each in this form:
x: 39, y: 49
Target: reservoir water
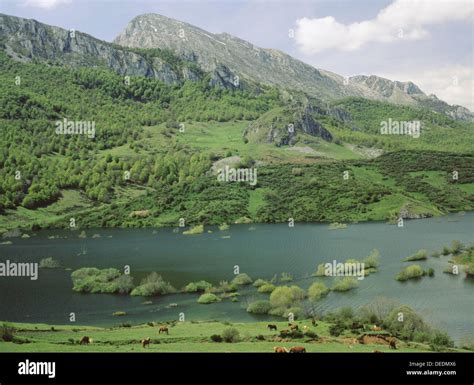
x: 260, y: 250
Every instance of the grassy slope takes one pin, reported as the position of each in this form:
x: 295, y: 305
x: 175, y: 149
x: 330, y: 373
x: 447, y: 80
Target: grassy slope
x: 183, y: 337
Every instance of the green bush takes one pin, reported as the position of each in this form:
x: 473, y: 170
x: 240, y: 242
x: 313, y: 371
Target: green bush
x: 469, y: 269
x: 7, y: 332
x: 230, y: 335
x: 336, y: 329
x: 430, y: 272
x: 207, y: 298
x: 224, y: 287
x: 49, y: 263
x: 194, y: 287
x: 216, y: 338
x: 456, y: 247
x: 317, y: 290
x: 435, y: 254
x: 404, y: 323
x: 440, y: 338
x: 372, y: 260
x: 284, y: 296
x: 152, y: 285
x: 345, y: 284
x: 93, y: 280
x: 259, y: 282
x: 267, y: 288
x: 320, y: 271
x: 286, y: 277
x: 242, y: 279
x: 418, y: 256
x: 119, y: 313
x: 259, y: 307
x: 410, y: 272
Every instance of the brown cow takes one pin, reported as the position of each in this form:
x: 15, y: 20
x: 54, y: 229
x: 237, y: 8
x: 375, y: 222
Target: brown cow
x: 85, y: 340
x: 280, y: 349
x: 298, y: 349
x: 272, y: 327
x: 163, y: 329
x: 146, y: 342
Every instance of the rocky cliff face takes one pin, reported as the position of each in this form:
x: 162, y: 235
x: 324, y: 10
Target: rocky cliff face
x: 25, y: 40
x: 286, y: 126
x: 266, y: 66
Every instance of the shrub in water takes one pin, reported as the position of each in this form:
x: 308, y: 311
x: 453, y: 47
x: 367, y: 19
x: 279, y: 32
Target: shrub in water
x: 93, y: 280
x: 242, y: 279
x: 154, y: 284
x: 418, y: 256
x: 193, y: 287
x: 345, y: 284
x: 372, y: 260
x: 208, y: 298
x: 266, y: 288
x: 260, y: 282
x: 317, y: 290
x: 286, y: 277
x: 284, y: 296
x: 49, y: 263
x: 410, y: 272
x: 259, y: 307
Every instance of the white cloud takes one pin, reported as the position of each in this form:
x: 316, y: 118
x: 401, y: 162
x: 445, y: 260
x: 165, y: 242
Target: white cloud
x: 401, y: 20
x: 46, y: 4
x: 453, y: 84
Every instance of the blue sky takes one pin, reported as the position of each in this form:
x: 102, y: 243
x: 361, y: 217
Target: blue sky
x: 427, y: 42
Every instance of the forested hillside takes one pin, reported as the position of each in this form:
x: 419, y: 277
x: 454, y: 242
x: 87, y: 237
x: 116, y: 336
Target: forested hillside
x: 158, y: 141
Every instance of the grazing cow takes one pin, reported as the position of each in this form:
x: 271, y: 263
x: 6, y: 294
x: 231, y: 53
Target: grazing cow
x: 280, y: 349
x: 298, y: 349
x: 293, y: 326
x: 85, y: 340
x: 392, y: 343
x: 313, y: 322
x: 376, y: 328
x: 272, y: 327
x: 146, y: 342
x: 163, y: 329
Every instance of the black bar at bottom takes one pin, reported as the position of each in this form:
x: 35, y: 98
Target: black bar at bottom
x: 242, y: 368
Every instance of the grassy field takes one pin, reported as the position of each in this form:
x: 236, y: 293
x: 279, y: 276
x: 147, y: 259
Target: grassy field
x: 185, y: 337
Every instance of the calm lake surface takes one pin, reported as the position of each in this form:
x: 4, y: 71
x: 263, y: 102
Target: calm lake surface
x: 260, y: 250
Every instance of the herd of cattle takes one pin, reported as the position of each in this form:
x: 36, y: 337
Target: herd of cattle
x: 277, y: 349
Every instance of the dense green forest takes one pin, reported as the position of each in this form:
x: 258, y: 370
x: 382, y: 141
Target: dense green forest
x: 158, y: 142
